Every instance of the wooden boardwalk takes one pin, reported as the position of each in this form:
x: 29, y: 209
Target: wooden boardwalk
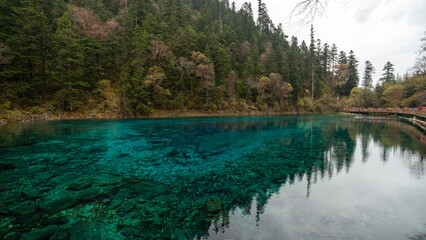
x: 416, y: 117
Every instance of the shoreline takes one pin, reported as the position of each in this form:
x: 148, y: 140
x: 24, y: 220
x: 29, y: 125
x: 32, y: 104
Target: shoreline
x: 28, y: 117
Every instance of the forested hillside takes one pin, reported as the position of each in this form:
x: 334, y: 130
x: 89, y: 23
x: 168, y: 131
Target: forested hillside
x: 131, y: 57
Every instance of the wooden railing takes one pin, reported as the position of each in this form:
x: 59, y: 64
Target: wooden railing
x: 399, y: 111
x: 417, y: 117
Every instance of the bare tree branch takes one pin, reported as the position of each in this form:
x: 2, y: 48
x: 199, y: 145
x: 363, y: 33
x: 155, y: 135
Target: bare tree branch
x: 309, y: 9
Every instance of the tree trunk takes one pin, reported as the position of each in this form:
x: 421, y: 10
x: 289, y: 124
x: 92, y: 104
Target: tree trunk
x: 312, y: 80
x: 208, y: 100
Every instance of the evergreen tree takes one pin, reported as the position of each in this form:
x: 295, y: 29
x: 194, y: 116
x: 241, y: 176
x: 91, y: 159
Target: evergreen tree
x: 67, y: 69
x: 295, y: 61
x: 150, y: 53
x: 325, y: 61
x: 135, y: 90
x: 312, y: 58
x: 388, y: 73
x: 272, y: 61
x: 333, y: 55
x: 174, y: 14
x: 353, y: 78
x: 367, y: 79
x: 305, y: 67
x: 140, y: 44
x: 343, y: 58
x: 263, y: 20
x: 27, y: 46
x: 222, y: 66
x: 318, y: 51
x: 333, y: 59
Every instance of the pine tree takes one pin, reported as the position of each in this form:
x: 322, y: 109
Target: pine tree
x: 27, y: 45
x: 135, y: 89
x: 295, y: 62
x: 318, y: 51
x: 312, y: 58
x: 388, y: 73
x: 272, y: 61
x: 367, y: 79
x: 140, y: 43
x: 174, y: 14
x: 343, y: 59
x: 353, y: 78
x: 333, y: 56
x: 221, y: 64
x: 170, y: 11
x: 263, y: 21
x: 67, y: 69
x: 325, y: 59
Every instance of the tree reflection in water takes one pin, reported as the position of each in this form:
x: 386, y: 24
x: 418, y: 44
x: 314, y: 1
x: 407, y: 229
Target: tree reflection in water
x: 170, y: 167
x: 323, y: 151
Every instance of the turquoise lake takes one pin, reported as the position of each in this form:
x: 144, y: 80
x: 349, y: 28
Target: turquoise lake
x: 289, y: 177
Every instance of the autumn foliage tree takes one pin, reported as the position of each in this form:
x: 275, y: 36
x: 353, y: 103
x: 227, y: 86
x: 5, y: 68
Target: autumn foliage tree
x: 87, y: 23
x: 155, y: 84
x: 393, y: 95
x: 182, y: 54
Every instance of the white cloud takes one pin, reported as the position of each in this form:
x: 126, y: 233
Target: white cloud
x: 376, y: 30
x: 366, y: 10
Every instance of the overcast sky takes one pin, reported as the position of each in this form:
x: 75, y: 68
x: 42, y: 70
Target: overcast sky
x: 376, y: 30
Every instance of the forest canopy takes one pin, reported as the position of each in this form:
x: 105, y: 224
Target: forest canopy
x: 132, y: 57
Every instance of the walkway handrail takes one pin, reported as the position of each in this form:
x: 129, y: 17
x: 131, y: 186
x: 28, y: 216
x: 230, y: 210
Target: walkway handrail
x: 421, y: 112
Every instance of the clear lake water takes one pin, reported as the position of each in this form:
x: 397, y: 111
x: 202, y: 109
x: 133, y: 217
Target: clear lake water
x: 286, y: 177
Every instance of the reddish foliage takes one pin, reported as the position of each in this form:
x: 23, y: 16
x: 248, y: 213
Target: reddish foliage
x: 87, y: 23
x: 230, y: 81
x: 160, y: 53
x: 245, y: 49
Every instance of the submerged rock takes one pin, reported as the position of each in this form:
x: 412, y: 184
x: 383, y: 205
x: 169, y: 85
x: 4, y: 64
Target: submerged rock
x: 213, y: 205
x: 4, y: 209
x: 157, y: 220
x: 60, y: 235
x: 91, y: 194
x: 43, y: 233
x: 99, y: 181
x: 81, y: 183
x: 55, y: 220
x: 60, y: 161
x: 95, y: 230
x: 31, y: 193
x: 109, y: 180
x: 135, y: 222
x: 114, y: 204
x: 4, y: 166
x: 148, y: 189
x: 24, y: 211
x: 128, y: 206
x: 130, y: 231
x: 179, y: 234
x: 10, y: 235
x: 85, y: 230
x: 59, y: 202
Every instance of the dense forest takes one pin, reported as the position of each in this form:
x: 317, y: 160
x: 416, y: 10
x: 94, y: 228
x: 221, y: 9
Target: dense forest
x: 132, y: 57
